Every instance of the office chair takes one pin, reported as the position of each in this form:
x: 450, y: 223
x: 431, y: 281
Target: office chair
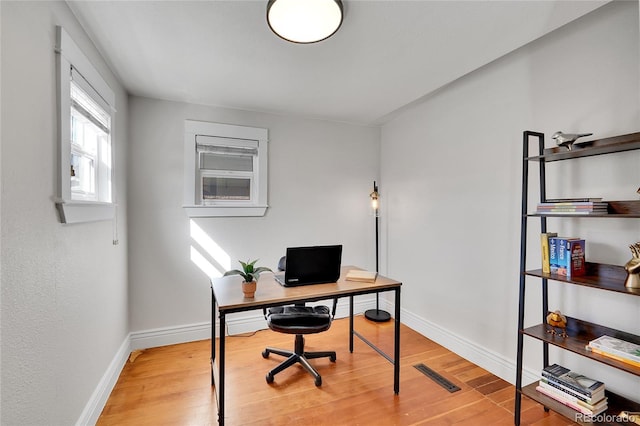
x: 299, y: 320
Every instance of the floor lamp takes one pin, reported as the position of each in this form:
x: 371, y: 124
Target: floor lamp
x: 376, y: 314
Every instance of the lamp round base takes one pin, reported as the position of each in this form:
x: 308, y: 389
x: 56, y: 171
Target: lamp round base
x: 377, y: 315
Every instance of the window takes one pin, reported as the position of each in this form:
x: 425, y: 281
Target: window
x: 90, y: 146
x: 225, y: 170
x: 86, y: 108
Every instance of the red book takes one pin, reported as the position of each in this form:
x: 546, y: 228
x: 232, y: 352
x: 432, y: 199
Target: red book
x: 575, y: 258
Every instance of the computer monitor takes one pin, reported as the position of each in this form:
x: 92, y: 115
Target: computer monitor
x: 311, y: 265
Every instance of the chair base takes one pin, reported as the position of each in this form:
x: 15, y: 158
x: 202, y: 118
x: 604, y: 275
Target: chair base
x: 297, y: 356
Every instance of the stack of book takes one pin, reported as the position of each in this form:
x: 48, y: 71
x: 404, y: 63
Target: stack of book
x: 363, y: 276
x: 617, y: 349
x: 574, y: 390
x: 563, y: 255
x: 570, y: 206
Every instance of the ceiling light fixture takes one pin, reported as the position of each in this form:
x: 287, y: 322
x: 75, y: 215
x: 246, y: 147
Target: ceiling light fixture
x: 304, y: 21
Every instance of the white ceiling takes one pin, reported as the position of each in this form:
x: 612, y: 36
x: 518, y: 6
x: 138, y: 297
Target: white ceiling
x: 387, y: 54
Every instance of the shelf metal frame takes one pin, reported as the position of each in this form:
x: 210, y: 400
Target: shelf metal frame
x: 600, y: 276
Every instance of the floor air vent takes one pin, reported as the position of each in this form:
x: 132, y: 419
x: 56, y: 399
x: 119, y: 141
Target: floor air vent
x: 437, y: 378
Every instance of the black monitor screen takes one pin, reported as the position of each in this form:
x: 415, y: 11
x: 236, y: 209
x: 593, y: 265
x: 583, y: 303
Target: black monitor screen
x: 313, y: 265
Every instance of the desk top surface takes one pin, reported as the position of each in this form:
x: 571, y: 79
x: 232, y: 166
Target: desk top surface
x: 229, y: 297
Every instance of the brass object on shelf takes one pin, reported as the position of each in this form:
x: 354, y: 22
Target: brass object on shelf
x: 557, y: 320
x: 633, y: 267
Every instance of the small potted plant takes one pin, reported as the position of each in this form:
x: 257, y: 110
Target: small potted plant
x: 250, y: 273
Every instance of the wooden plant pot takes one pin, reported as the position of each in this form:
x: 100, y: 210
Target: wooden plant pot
x: 249, y: 289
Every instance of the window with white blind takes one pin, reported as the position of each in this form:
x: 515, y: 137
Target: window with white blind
x: 225, y: 169
x: 90, y: 169
x: 86, y: 111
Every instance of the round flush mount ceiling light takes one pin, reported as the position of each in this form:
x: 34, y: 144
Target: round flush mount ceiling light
x: 304, y: 21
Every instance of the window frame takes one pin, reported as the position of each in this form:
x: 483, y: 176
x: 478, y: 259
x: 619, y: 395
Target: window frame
x: 224, y: 135
x: 71, y: 61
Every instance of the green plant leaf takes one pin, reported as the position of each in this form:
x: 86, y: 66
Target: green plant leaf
x: 249, y: 271
x: 262, y: 269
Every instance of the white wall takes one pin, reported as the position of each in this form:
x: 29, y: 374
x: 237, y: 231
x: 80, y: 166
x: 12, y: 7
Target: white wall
x: 320, y: 176
x: 451, y: 169
x: 64, y: 288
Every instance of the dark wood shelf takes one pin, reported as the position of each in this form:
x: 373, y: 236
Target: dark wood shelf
x: 615, y: 209
x: 599, y: 275
x: 580, y: 333
x: 622, y: 143
x: 616, y: 405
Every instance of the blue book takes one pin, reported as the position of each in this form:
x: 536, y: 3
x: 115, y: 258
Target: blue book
x: 566, y: 256
x: 553, y: 255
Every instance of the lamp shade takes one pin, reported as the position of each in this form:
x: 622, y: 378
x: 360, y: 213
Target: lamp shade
x: 304, y: 21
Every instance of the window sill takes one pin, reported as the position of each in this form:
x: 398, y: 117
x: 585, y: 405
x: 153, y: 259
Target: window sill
x: 225, y: 211
x: 84, y: 211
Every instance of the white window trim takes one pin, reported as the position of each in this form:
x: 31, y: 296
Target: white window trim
x: 202, y: 128
x: 68, y: 54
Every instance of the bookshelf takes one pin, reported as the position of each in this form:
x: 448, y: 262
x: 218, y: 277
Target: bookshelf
x: 598, y: 276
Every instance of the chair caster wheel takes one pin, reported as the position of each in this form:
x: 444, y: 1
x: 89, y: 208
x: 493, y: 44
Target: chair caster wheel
x: 269, y: 378
x: 318, y: 381
x: 265, y: 354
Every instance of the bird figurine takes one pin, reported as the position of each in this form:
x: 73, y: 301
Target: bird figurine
x: 567, y: 139
x: 557, y: 320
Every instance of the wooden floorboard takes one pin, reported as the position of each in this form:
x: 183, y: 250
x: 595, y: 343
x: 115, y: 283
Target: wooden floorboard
x: 170, y: 385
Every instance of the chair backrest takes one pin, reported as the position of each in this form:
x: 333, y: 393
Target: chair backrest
x: 282, y: 263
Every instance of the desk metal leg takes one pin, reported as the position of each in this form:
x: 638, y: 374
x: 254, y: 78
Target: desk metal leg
x: 351, y: 324
x: 396, y: 346
x: 221, y: 375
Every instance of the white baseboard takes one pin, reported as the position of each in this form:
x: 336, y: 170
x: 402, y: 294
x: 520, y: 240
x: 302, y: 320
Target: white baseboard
x: 495, y: 363
x: 100, y: 395
x: 170, y: 335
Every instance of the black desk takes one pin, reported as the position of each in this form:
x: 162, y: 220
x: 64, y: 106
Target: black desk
x: 227, y: 295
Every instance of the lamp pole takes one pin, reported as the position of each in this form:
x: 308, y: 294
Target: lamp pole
x: 376, y: 314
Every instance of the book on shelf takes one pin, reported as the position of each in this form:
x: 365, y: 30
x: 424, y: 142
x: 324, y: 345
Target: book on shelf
x: 575, y: 258
x: 574, y: 212
x: 573, y: 204
x: 569, y: 257
x: 363, y: 276
x: 554, y: 384
x: 553, y: 255
x: 630, y: 416
x: 573, y: 207
x: 544, y: 245
x: 579, y: 383
x: 573, y: 200
x: 571, y: 404
x: 592, y: 406
x: 612, y: 356
x: 621, y: 349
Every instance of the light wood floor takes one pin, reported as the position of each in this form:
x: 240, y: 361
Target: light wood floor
x: 171, y: 385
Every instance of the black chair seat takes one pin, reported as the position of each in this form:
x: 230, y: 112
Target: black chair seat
x: 299, y: 319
